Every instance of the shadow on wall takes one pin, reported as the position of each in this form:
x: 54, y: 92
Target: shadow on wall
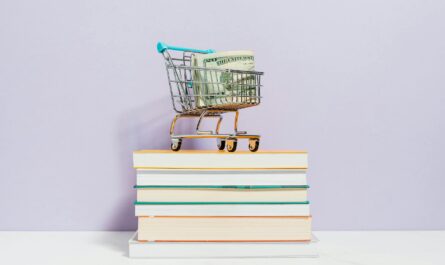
x: 144, y: 127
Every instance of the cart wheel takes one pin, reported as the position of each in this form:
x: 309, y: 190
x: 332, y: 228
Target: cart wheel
x: 176, y: 145
x: 254, y: 144
x: 231, y: 145
x: 221, y: 144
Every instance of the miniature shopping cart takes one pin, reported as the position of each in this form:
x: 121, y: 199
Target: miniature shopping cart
x: 201, y: 92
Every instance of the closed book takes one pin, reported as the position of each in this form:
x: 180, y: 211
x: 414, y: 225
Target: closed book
x: 202, y: 193
x: 146, y: 176
x: 222, y: 208
x: 199, y: 159
x: 224, y: 229
x: 155, y: 250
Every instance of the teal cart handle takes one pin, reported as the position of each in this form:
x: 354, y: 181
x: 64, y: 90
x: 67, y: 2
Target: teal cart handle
x: 163, y: 47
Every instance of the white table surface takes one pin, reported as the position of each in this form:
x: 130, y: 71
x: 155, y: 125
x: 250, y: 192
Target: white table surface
x: 352, y: 247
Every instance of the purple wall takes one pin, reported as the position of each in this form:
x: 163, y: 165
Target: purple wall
x: 361, y: 86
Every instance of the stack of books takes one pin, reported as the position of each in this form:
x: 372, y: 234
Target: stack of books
x: 210, y: 204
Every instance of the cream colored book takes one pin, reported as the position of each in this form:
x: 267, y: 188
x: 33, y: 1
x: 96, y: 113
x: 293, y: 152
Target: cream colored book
x: 222, y: 209
x: 224, y: 229
x: 221, y: 193
x: 200, y: 159
x: 221, y: 177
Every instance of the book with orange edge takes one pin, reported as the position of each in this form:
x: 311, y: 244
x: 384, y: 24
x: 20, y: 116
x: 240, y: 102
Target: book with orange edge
x: 220, y: 249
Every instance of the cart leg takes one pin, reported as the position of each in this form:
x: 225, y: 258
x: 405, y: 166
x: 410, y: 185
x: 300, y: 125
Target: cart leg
x: 175, y: 142
x: 201, y: 117
x: 172, y: 126
x: 236, y: 124
x: 218, y: 124
x: 220, y: 143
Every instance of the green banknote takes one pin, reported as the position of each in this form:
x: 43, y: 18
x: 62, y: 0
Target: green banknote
x: 216, y: 86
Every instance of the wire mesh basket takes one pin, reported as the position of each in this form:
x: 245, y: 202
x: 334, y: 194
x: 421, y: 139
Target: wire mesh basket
x: 209, y: 92
x: 194, y: 89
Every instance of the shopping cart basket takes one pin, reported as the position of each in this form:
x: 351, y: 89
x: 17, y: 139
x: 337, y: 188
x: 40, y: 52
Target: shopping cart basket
x: 200, y: 92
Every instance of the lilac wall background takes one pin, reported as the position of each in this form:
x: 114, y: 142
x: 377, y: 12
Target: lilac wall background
x: 359, y: 84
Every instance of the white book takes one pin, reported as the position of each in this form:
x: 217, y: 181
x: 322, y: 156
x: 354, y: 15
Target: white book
x: 224, y: 209
x: 220, y: 177
x: 221, y: 194
x: 156, y: 159
x: 222, y: 249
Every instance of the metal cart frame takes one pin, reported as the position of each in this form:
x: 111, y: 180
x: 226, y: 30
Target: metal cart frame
x: 192, y: 98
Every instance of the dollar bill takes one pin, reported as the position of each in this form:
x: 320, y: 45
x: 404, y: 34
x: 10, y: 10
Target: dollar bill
x: 220, y: 87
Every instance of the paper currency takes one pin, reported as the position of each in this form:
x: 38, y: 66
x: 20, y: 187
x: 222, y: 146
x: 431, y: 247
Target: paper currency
x: 219, y: 87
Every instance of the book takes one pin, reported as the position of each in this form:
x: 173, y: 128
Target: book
x: 220, y: 177
x: 200, y: 193
x: 222, y: 229
x: 139, y: 249
x: 222, y: 209
x: 155, y: 159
